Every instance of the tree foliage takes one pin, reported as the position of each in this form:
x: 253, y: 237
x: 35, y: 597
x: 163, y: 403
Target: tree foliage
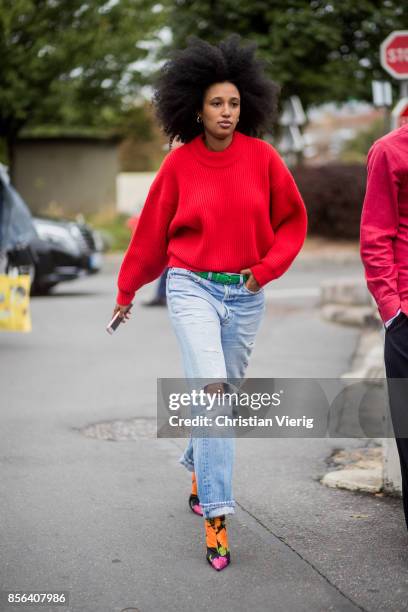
x: 321, y: 50
x: 71, y: 62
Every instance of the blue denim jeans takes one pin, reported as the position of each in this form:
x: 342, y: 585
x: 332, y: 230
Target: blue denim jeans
x: 215, y: 325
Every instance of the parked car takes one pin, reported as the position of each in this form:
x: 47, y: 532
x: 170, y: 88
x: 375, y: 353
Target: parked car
x: 62, y: 250
x: 16, y: 222
x: 49, y: 250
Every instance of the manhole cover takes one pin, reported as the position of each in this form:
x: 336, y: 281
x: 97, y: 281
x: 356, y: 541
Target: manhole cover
x: 130, y: 429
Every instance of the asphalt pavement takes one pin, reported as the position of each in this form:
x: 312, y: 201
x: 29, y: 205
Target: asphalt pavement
x: 108, y: 521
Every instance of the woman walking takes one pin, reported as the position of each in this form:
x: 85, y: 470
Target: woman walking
x: 225, y: 216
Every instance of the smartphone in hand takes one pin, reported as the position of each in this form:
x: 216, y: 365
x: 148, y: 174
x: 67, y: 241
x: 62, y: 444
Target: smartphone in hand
x: 116, y: 321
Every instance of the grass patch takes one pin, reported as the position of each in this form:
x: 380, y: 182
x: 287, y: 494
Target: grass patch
x: 113, y: 228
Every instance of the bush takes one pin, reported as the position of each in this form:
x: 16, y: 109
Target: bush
x: 356, y: 149
x: 333, y: 195
x: 114, y: 229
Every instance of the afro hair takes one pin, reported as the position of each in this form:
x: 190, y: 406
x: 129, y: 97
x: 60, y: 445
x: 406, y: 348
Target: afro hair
x: 182, y: 81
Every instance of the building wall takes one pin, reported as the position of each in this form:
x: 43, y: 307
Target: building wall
x: 66, y: 177
x: 132, y: 189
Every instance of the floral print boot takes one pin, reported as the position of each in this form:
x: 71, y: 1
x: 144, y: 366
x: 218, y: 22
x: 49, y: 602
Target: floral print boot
x: 193, y: 500
x: 218, y: 555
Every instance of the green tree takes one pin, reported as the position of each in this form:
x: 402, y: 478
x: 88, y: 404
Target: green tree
x: 71, y: 62
x: 321, y: 50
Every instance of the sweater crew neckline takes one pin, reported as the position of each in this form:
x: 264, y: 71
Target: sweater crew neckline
x: 217, y: 158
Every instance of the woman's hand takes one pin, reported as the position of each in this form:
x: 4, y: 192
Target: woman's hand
x: 124, y: 310
x: 251, y: 283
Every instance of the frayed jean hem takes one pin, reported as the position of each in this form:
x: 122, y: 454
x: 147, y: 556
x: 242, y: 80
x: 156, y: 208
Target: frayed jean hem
x: 212, y: 510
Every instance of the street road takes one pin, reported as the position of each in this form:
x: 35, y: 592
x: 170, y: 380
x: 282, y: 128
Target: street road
x: 108, y: 521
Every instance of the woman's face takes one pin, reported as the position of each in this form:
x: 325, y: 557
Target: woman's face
x: 221, y: 108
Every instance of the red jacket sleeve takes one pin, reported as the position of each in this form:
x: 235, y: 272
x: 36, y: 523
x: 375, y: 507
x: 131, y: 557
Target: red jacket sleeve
x: 288, y: 220
x: 379, y: 226
x: 146, y: 255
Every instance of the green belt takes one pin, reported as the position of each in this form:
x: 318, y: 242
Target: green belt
x: 225, y: 279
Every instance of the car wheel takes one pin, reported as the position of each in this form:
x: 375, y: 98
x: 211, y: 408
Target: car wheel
x: 42, y: 289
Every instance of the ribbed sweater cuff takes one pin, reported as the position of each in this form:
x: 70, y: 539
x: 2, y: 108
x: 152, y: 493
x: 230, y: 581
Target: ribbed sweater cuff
x: 262, y: 274
x: 123, y: 298
x: 389, y: 308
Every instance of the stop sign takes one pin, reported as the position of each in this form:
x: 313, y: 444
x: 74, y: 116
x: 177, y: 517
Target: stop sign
x: 394, y: 54
x: 400, y: 114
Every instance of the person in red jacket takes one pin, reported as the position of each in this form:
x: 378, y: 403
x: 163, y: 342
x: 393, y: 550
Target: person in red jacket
x: 225, y: 216
x: 384, y: 252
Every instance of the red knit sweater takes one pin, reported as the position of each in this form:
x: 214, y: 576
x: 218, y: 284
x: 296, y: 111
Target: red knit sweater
x: 218, y: 211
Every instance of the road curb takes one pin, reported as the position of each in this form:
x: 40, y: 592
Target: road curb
x: 348, y: 302
x: 363, y: 470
